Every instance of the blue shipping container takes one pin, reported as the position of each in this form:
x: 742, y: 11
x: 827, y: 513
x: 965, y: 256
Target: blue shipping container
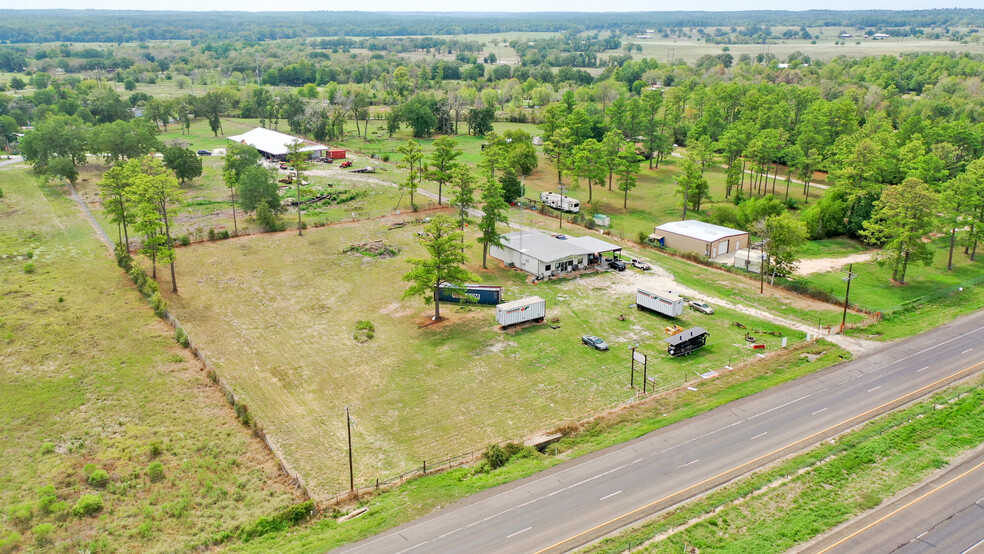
x: 483, y: 294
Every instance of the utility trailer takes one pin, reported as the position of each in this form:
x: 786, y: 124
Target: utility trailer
x: 560, y: 202
x: 532, y: 308
x: 683, y: 344
x: 665, y: 303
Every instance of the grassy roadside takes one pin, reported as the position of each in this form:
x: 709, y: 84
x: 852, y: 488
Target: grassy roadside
x: 804, y: 496
x: 420, y: 496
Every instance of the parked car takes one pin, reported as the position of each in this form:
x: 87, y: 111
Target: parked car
x: 204, y: 152
x: 594, y: 342
x: 639, y: 264
x: 701, y: 307
x: 618, y: 265
x: 282, y: 165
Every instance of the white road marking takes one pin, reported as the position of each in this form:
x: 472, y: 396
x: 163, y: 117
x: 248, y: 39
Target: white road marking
x: 689, y: 463
x: 918, y: 370
x: 973, y: 547
x: 518, y: 532
x: 780, y: 406
x: 818, y: 411
x: 609, y: 496
x: 968, y: 350
x: 874, y: 389
x: 920, y: 535
x: 759, y: 435
x: 637, y: 461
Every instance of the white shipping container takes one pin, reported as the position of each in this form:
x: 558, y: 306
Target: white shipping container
x: 664, y: 302
x: 518, y: 311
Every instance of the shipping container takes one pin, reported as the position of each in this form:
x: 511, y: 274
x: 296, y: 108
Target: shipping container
x: 665, y: 303
x: 560, y: 202
x: 336, y: 154
x: 518, y: 311
x: 482, y: 294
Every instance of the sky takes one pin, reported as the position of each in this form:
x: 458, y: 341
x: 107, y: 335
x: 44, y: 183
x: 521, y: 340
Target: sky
x: 510, y: 5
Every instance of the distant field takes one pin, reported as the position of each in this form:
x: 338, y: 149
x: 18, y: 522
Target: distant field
x: 276, y: 314
x: 93, y: 381
x: 824, y: 50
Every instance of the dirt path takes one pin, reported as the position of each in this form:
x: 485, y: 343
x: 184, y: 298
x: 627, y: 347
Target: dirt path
x: 822, y: 265
x: 660, y: 279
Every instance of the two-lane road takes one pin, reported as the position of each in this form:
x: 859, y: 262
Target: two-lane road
x: 945, y: 514
x: 576, y: 502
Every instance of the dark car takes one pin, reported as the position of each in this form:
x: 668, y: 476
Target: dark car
x: 616, y: 264
x: 204, y: 152
x: 594, y: 342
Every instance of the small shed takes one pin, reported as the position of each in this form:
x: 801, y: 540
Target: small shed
x: 701, y: 238
x: 749, y: 260
x: 685, y: 342
x: 601, y: 220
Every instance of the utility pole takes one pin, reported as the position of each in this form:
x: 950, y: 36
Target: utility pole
x: 348, y: 424
x: 847, y: 295
x: 561, y: 187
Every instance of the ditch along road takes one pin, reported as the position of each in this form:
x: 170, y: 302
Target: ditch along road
x: 944, y: 514
x: 582, y: 500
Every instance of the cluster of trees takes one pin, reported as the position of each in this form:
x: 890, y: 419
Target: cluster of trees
x: 31, y: 26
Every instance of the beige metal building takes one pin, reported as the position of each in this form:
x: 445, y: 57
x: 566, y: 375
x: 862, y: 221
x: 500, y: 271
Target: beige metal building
x: 704, y: 239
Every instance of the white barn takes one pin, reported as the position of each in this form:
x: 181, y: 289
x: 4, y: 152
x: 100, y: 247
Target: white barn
x: 273, y: 145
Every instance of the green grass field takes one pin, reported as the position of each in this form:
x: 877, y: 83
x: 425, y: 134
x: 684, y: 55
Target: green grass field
x: 832, y: 248
x: 92, y: 381
x: 276, y: 314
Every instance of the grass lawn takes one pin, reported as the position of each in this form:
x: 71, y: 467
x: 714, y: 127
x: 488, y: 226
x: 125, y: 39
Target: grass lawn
x: 835, y: 247
x: 874, y: 290
x: 420, y: 496
x: 276, y: 314
x: 93, y: 381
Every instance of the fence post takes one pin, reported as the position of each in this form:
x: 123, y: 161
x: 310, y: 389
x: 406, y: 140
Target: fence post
x: 425, y: 467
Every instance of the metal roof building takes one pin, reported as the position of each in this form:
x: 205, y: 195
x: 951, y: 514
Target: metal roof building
x: 274, y: 145
x: 540, y: 254
x: 705, y: 239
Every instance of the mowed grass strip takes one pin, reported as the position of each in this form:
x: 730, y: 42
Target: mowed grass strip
x: 276, y: 314
x: 806, y: 495
x: 93, y: 383
x: 420, y: 496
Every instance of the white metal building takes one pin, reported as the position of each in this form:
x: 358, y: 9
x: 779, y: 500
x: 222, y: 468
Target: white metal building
x: 704, y: 239
x: 273, y: 145
x: 541, y: 254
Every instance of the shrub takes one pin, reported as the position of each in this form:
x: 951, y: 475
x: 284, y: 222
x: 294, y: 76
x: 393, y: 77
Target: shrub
x: 29, y: 268
x: 21, y: 513
x: 88, y: 505
x: 266, y: 218
x: 242, y: 412
x: 99, y: 478
x: 386, y: 157
x: 61, y: 299
x: 496, y: 456
x: 9, y: 541
x: 156, y: 449
x: 158, y: 304
x: 364, y: 331
x: 41, y: 533
x: 155, y: 472
x: 224, y: 234
x: 283, y: 519
x: 642, y: 237
x: 211, y: 234
x: 29, y: 255
x: 47, y: 448
x: 181, y: 337
x: 47, y: 497
x: 185, y: 240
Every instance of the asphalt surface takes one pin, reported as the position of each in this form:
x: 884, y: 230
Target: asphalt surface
x: 579, y: 501
x: 946, y: 514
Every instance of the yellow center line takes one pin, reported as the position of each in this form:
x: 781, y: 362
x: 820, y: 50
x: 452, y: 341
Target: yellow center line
x: 872, y: 524
x: 756, y: 460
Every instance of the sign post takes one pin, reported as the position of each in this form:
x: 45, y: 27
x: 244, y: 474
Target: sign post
x: 641, y: 358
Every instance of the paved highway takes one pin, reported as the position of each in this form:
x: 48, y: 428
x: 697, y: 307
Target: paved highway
x: 946, y: 514
x: 576, y: 502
